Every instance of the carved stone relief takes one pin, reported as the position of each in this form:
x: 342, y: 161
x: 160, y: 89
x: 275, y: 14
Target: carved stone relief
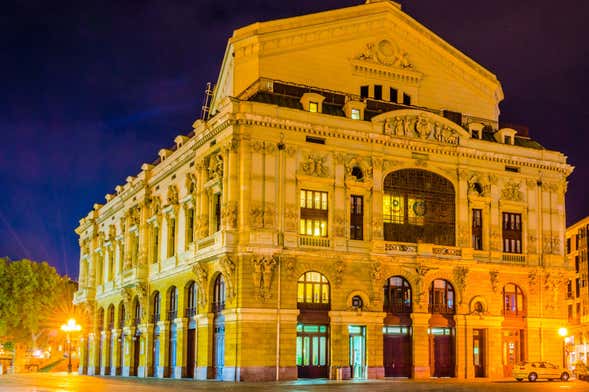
x: 291, y: 216
x: 172, y: 194
x: 460, y: 274
x: 494, y: 279
x: 263, y: 268
x: 511, y: 191
x: 421, y: 127
x: 201, y: 279
x: 227, y: 268
x: 386, y: 53
x: 314, y: 165
x: 338, y: 272
x: 229, y: 214
x: 215, y: 166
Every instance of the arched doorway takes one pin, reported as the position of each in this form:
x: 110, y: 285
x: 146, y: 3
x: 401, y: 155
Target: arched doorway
x: 110, y: 363
x: 397, y: 352
x: 155, y: 348
x: 190, y: 312
x: 136, y: 337
x: 100, y: 338
x: 218, y: 306
x: 312, y: 345
x: 122, y: 318
x: 442, y: 340
x: 418, y: 206
x: 172, y: 336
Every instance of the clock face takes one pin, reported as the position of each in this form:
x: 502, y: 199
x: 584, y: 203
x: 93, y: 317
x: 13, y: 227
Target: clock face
x: 419, y: 208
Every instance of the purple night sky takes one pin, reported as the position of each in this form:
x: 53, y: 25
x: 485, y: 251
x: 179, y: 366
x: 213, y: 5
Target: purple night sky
x: 91, y: 90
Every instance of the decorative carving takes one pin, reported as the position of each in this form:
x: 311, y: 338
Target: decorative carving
x: 315, y: 165
x: 229, y: 214
x: 460, y: 275
x: 479, y: 185
x: 419, y: 271
x: 155, y: 205
x: 215, y: 166
x: 291, y: 216
x: 191, y: 184
x: 172, y: 194
x: 340, y: 224
x: 141, y: 290
x: 532, y: 281
x: 257, y: 146
x: 269, y: 215
x: 552, y: 283
x: 420, y: 126
x: 376, y: 280
x: 256, y: 215
x: 227, y: 267
x: 263, y: 268
x: 511, y: 192
x: 494, y: 278
x: 386, y: 53
x: 203, y: 226
x: 338, y: 270
x: 290, y: 266
x: 201, y: 279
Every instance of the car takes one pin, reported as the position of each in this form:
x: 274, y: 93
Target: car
x: 540, y: 369
x: 581, y: 371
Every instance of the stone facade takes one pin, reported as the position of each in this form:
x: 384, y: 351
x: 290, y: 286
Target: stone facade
x: 351, y: 208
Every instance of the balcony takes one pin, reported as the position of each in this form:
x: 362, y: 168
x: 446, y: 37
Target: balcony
x: 441, y: 309
x: 400, y: 247
x: 513, y: 258
x: 309, y: 241
x: 190, y: 312
x: 399, y: 308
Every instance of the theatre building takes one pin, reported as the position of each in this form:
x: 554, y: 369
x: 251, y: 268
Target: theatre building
x: 348, y: 206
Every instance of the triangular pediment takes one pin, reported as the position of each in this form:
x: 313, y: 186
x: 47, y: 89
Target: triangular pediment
x: 419, y: 124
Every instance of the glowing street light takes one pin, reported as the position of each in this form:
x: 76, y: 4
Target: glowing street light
x: 563, y: 332
x: 68, y: 328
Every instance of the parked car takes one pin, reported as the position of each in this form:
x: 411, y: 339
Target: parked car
x: 541, y: 369
x: 581, y: 371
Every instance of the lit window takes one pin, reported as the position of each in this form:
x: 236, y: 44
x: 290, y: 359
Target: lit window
x: 355, y: 114
x: 313, y: 107
x: 393, y: 208
x: 314, y: 213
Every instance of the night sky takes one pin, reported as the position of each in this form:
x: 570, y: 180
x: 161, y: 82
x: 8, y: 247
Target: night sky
x: 92, y: 89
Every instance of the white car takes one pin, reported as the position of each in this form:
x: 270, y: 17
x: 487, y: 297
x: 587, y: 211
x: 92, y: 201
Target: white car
x: 541, y: 369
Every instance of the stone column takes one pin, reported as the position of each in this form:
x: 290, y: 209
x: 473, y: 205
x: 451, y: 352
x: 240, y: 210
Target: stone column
x: 114, y: 351
x: 181, y: 329
x: 145, y: 342
x: 204, y: 359
x: 376, y: 227
x: 421, y: 357
x: 164, y: 349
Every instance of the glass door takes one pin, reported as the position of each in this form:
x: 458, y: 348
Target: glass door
x: 312, y: 358
x: 357, y: 351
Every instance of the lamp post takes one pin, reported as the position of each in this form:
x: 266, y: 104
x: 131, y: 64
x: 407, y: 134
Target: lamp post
x: 563, y: 332
x: 68, y: 328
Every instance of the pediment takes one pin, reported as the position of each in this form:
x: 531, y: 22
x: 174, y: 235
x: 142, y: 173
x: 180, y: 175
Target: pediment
x: 419, y: 124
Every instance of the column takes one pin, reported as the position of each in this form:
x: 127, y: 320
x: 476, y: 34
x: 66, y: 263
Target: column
x: 421, y: 357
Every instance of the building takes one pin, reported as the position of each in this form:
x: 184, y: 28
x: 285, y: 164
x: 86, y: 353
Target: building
x: 351, y: 207
x: 577, y: 343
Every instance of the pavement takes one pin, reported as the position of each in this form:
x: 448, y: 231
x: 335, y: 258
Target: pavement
x: 63, y: 382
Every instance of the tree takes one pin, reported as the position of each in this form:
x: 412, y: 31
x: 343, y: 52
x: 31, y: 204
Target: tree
x: 30, y: 295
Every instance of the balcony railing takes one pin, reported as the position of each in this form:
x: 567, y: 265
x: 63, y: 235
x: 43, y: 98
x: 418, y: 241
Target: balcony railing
x: 441, y: 309
x: 400, y: 247
x: 189, y: 312
x: 446, y: 251
x: 314, y: 242
x: 397, y: 308
x: 514, y: 258
x: 513, y: 313
x: 313, y: 306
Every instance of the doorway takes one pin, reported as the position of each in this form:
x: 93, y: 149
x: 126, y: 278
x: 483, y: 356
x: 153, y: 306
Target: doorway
x: 219, y: 348
x: 478, y: 352
x: 136, y: 353
x: 156, y: 351
x: 357, y: 351
x: 512, y: 350
x: 442, y: 344
x: 397, y: 351
x: 311, y: 351
x: 190, y: 352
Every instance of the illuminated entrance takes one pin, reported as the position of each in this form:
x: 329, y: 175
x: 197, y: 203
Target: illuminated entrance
x: 312, y: 356
x: 478, y: 352
x: 357, y: 351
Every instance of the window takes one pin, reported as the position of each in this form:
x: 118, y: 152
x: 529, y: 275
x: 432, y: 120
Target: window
x: 191, y: 300
x: 100, y: 320
x: 512, y: 232
x: 377, y: 91
x: 171, y: 237
x: 507, y: 139
x: 189, y: 226
x: 217, y: 212
x: 406, y: 99
x: 156, y: 307
x: 137, y: 313
x: 513, y: 300
x: 577, y: 288
x: 134, y: 247
x: 475, y: 134
x: 357, y: 302
x: 356, y: 217
x: 577, y: 311
x: 393, y: 95
x: 173, y: 303
x: 477, y: 229
x: 111, y: 262
x: 355, y: 114
x: 313, y: 107
x: 219, y: 294
x: 570, y: 312
x: 441, y: 297
x: 314, y: 213
x: 155, y: 244
x: 570, y: 289
x: 364, y: 91
x: 397, y: 295
x: 122, y: 315
x: 577, y: 264
x: 418, y: 206
x: 568, y: 245
x: 111, y: 317
x: 313, y: 291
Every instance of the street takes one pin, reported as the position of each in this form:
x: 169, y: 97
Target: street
x: 62, y: 382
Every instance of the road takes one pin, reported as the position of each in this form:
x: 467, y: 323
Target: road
x: 62, y: 382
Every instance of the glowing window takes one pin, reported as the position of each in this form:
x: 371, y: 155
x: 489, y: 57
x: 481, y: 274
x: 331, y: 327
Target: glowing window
x: 313, y: 107
x: 355, y: 114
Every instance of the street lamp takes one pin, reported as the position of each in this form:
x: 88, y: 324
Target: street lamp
x: 563, y: 332
x: 68, y: 328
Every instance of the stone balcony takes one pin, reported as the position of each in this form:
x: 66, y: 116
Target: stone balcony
x: 84, y: 294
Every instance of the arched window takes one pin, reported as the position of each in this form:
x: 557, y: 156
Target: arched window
x: 513, y: 300
x: 397, y: 295
x: 100, y: 319
x: 219, y: 294
x: 191, y: 300
x: 137, y: 312
x: 418, y: 206
x: 173, y: 303
x: 441, y: 297
x: 122, y: 315
x: 111, y: 317
x: 156, y: 307
x: 313, y: 291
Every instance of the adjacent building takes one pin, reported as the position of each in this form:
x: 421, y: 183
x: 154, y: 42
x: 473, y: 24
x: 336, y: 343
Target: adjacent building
x: 577, y: 342
x: 350, y: 207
